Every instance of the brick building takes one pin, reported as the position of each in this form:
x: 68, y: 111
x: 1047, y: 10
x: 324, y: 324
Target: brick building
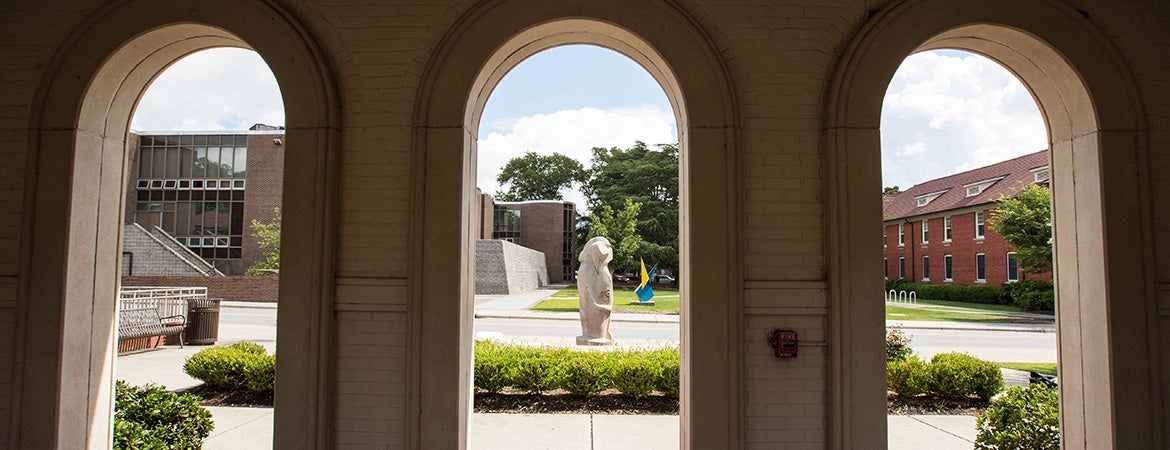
x: 547, y: 226
x: 206, y: 188
x: 937, y: 232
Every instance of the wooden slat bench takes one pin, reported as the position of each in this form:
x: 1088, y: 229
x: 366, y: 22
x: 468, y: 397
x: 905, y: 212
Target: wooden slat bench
x: 145, y: 323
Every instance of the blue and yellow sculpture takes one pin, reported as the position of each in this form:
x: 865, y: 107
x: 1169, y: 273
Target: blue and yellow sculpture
x: 644, y: 291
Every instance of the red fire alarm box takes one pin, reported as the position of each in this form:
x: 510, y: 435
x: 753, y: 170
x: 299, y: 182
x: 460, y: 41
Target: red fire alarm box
x: 784, y: 342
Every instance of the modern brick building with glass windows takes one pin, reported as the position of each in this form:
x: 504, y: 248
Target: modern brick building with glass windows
x: 204, y: 189
x: 547, y: 226
x: 937, y: 231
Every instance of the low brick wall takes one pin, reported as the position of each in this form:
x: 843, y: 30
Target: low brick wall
x: 232, y: 288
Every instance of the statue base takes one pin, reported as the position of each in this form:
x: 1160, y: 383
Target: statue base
x: 582, y: 340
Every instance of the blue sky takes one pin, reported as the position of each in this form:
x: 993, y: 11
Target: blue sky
x: 945, y: 111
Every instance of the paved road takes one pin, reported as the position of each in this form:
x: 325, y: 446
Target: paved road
x: 990, y: 345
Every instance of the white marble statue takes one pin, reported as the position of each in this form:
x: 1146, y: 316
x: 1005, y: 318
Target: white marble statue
x: 595, y: 287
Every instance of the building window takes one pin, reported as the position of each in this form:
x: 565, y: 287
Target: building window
x: 902, y: 267
x: 948, y: 271
x: 901, y: 234
x: 947, y: 229
x: 886, y: 268
x: 1041, y: 174
x: 979, y: 228
x: 884, y: 237
x: 980, y: 268
x: 1013, y: 267
x: 506, y: 224
x: 925, y: 268
x: 925, y: 231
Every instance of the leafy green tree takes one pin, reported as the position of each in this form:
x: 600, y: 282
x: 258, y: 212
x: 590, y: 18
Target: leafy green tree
x: 268, y: 238
x: 621, y: 228
x: 891, y: 190
x: 1025, y: 221
x: 539, y: 177
x: 648, y: 176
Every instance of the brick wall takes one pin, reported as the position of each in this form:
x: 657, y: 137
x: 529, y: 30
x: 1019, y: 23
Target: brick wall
x: 231, y: 288
x: 962, y: 247
x: 262, y: 191
x: 542, y: 228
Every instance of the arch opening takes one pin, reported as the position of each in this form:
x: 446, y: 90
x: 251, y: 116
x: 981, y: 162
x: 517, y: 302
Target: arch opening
x: 1079, y: 108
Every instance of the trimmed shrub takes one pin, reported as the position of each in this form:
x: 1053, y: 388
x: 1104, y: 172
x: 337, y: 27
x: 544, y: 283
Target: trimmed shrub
x: 495, y: 368
x: 897, y: 345
x: 587, y: 373
x: 539, y: 371
x: 151, y: 417
x: 950, y: 292
x: 239, y: 366
x: 636, y: 376
x: 668, y: 379
x: 1022, y: 418
x: 957, y: 376
x: 909, y: 377
x: 1032, y: 295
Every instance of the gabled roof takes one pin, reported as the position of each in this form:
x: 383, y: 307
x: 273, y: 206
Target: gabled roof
x: 1005, y: 178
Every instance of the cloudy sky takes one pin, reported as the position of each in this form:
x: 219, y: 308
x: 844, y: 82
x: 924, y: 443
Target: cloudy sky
x: 945, y: 111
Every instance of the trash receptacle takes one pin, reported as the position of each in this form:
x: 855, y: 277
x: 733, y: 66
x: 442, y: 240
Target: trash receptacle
x: 202, y: 321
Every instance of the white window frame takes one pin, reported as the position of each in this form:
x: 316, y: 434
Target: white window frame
x: 947, y: 229
x: 926, y: 268
x: 901, y: 267
x: 948, y: 268
x: 901, y: 234
x: 980, y: 225
x: 977, y: 279
x: 978, y: 187
x: 925, y: 231
x: 1008, y: 267
x: 885, y: 237
x: 1041, y: 174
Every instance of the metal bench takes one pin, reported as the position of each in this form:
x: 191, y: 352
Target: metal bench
x: 137, y: 323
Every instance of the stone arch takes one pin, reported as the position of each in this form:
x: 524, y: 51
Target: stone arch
x: 1095, y: 125
x: 62, y: 395
x: 474, y: 56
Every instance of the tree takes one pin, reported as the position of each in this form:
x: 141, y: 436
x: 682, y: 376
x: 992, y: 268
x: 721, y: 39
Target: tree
x: 1025, y: 221
x: 621, y: 228
x: 644, y: 175
x: 268, y: 238
x: 891, y: 190
x: 539, y: 177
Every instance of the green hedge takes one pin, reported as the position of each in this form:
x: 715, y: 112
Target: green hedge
x: 151, y: 417
x: 948, y: 376
x: 1023, y: 417
x: 634, y: 373
x: 950, y: 292
x: 240, y: 366
x: 1032, y: 295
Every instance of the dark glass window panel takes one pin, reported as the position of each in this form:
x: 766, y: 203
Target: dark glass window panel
x: 237, y: 241
x: 144, y: 141
x: 196, y: 195
x: 184, y: 195
x: 200, y: 168
x: 143, y: 195
x: 168, y: 222
x: 238, y: 195
x: 213, y: 140
x: 236, y: 219
x: 221, y: 253
x: 158, y: 163
x: 172, y: 140
x: 144, y: 163
x: 200, y: 140
x: 241, y: 140
x: 212, y: 162
x: 140, y: 206
x: 186, y: 139
x: 207, y: 252
x: 182, y: 219
x: 169, y: 195
x: 185, y: 157
x: 235, y: 253
x: 240, y: 166
x: 156, y: 195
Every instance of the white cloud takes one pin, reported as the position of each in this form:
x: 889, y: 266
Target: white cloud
x: 945, y: 113
x: 215, y: 89
x: 573, y: 133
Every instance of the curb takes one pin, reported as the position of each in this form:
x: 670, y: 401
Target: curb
x: 251, y: 305
x: 906, y: 326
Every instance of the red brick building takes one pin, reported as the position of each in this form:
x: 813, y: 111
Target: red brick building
x: 547, y: 226
x: 937, y: 232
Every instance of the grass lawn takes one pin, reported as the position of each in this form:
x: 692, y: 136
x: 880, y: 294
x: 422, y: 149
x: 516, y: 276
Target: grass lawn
x: 981, y: 306
x: 1044, y: 368
x: 565, y: 300
x: 941, y: 315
